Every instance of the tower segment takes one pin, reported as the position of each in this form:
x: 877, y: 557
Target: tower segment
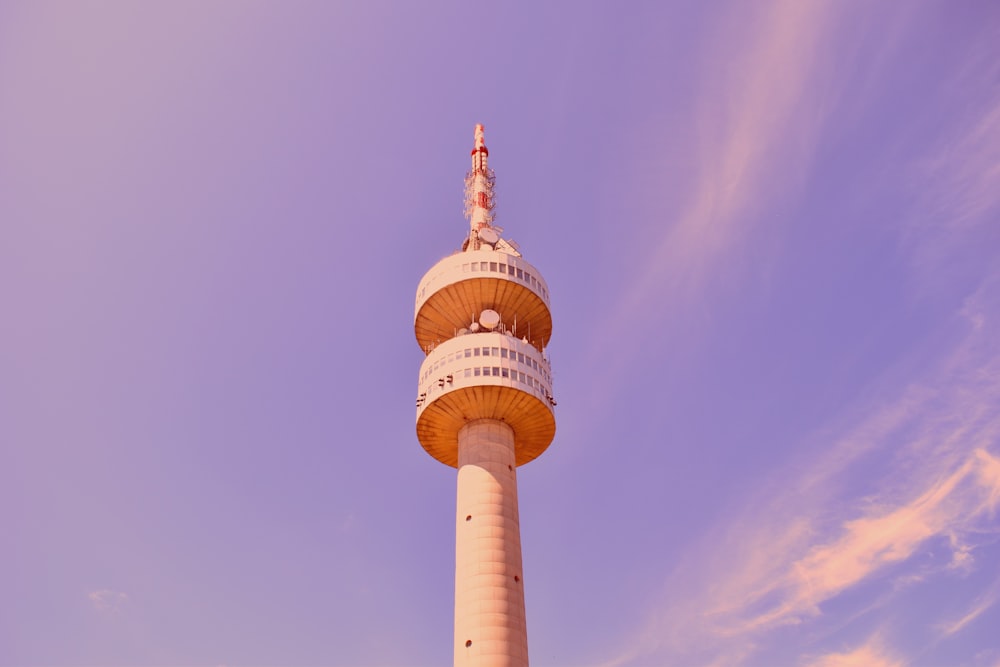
x: 485, y: 407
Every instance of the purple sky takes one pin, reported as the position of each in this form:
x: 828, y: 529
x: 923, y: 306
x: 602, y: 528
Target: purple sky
x: 771, y: 231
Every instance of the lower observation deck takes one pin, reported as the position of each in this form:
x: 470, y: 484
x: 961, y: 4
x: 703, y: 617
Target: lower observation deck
x: 485, y: 376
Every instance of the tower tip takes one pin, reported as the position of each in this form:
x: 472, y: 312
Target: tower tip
x: 480, y: 141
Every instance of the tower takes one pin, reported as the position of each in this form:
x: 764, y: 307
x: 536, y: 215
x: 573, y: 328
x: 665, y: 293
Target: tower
x: 485, y: 406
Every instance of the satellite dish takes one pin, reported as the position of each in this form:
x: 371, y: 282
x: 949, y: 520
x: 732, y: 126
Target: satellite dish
x: 489, y: 319
x: 488, y: 235
x: 474, y: 327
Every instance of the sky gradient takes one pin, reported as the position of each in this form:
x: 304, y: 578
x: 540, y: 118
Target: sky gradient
x: 771, y: 233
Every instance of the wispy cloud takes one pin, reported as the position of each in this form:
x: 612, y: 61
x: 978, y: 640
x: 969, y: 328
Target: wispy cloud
x: 802, y: 543
x: 875, y: 540
x: 107, y: 600
x: 757, y: 125
x: 916, y: 472
x: 964, y: 170
x: 871, y: 654
x: 981, y: 604
x: 956, y: 184
x: 782, y: 559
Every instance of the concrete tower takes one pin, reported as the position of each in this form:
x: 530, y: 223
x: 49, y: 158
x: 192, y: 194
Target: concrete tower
x: 485, y: 406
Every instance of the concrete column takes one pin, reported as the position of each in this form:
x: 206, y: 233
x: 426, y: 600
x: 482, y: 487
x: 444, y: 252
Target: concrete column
x: 490, y: 628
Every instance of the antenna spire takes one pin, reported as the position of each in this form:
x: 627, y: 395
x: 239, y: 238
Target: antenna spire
x: 479, y: 202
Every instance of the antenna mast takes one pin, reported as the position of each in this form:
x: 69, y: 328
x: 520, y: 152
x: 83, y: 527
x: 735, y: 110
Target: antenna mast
x: 479, y: 198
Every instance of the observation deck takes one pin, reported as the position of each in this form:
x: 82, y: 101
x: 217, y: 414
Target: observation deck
x: 485, y: 376
x: 459, y: 287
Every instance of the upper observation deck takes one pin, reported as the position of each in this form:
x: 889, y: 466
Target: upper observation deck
x: 459, y: 287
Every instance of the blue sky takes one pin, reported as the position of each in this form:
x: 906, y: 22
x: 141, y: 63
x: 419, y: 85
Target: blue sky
x: 770, y: 232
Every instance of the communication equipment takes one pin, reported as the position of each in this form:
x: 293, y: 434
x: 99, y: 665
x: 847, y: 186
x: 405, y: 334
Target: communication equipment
x: 488, y: 235
x: 489, y: 319
x: 509, y: 247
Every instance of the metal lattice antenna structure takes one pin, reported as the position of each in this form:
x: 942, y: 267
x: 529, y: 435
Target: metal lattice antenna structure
x: 485, y: 406
x: 479, y: 194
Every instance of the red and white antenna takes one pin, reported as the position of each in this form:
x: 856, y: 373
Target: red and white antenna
x: 479, y: 202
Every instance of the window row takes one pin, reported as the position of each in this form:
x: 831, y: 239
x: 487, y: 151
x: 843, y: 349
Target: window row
x: 534, y: 384
x: 506, y: 268
x: 488, y: 351
x: 509, y: 269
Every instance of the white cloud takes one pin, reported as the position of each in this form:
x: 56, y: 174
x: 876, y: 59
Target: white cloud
x: 107, y: 600
x: 870, y: 654
x: 962, y: 559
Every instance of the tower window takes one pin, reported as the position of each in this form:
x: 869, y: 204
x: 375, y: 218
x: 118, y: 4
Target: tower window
x: 475, y: 267
x: 483, y: 266
x: 496, y: 351
x: 475, y: 371
x: 493, y: 266
x: 486, y: 351
x: 503, y: 268
x: 510, y: 270
x: 496, y: 371
x: 520, y: 357
x: 504, y: 372
x: 503, y: 353
x: 475, y: 351
x: 520, y: 274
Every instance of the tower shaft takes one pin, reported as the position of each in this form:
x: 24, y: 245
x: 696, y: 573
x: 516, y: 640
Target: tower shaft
x: 490, y: 627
